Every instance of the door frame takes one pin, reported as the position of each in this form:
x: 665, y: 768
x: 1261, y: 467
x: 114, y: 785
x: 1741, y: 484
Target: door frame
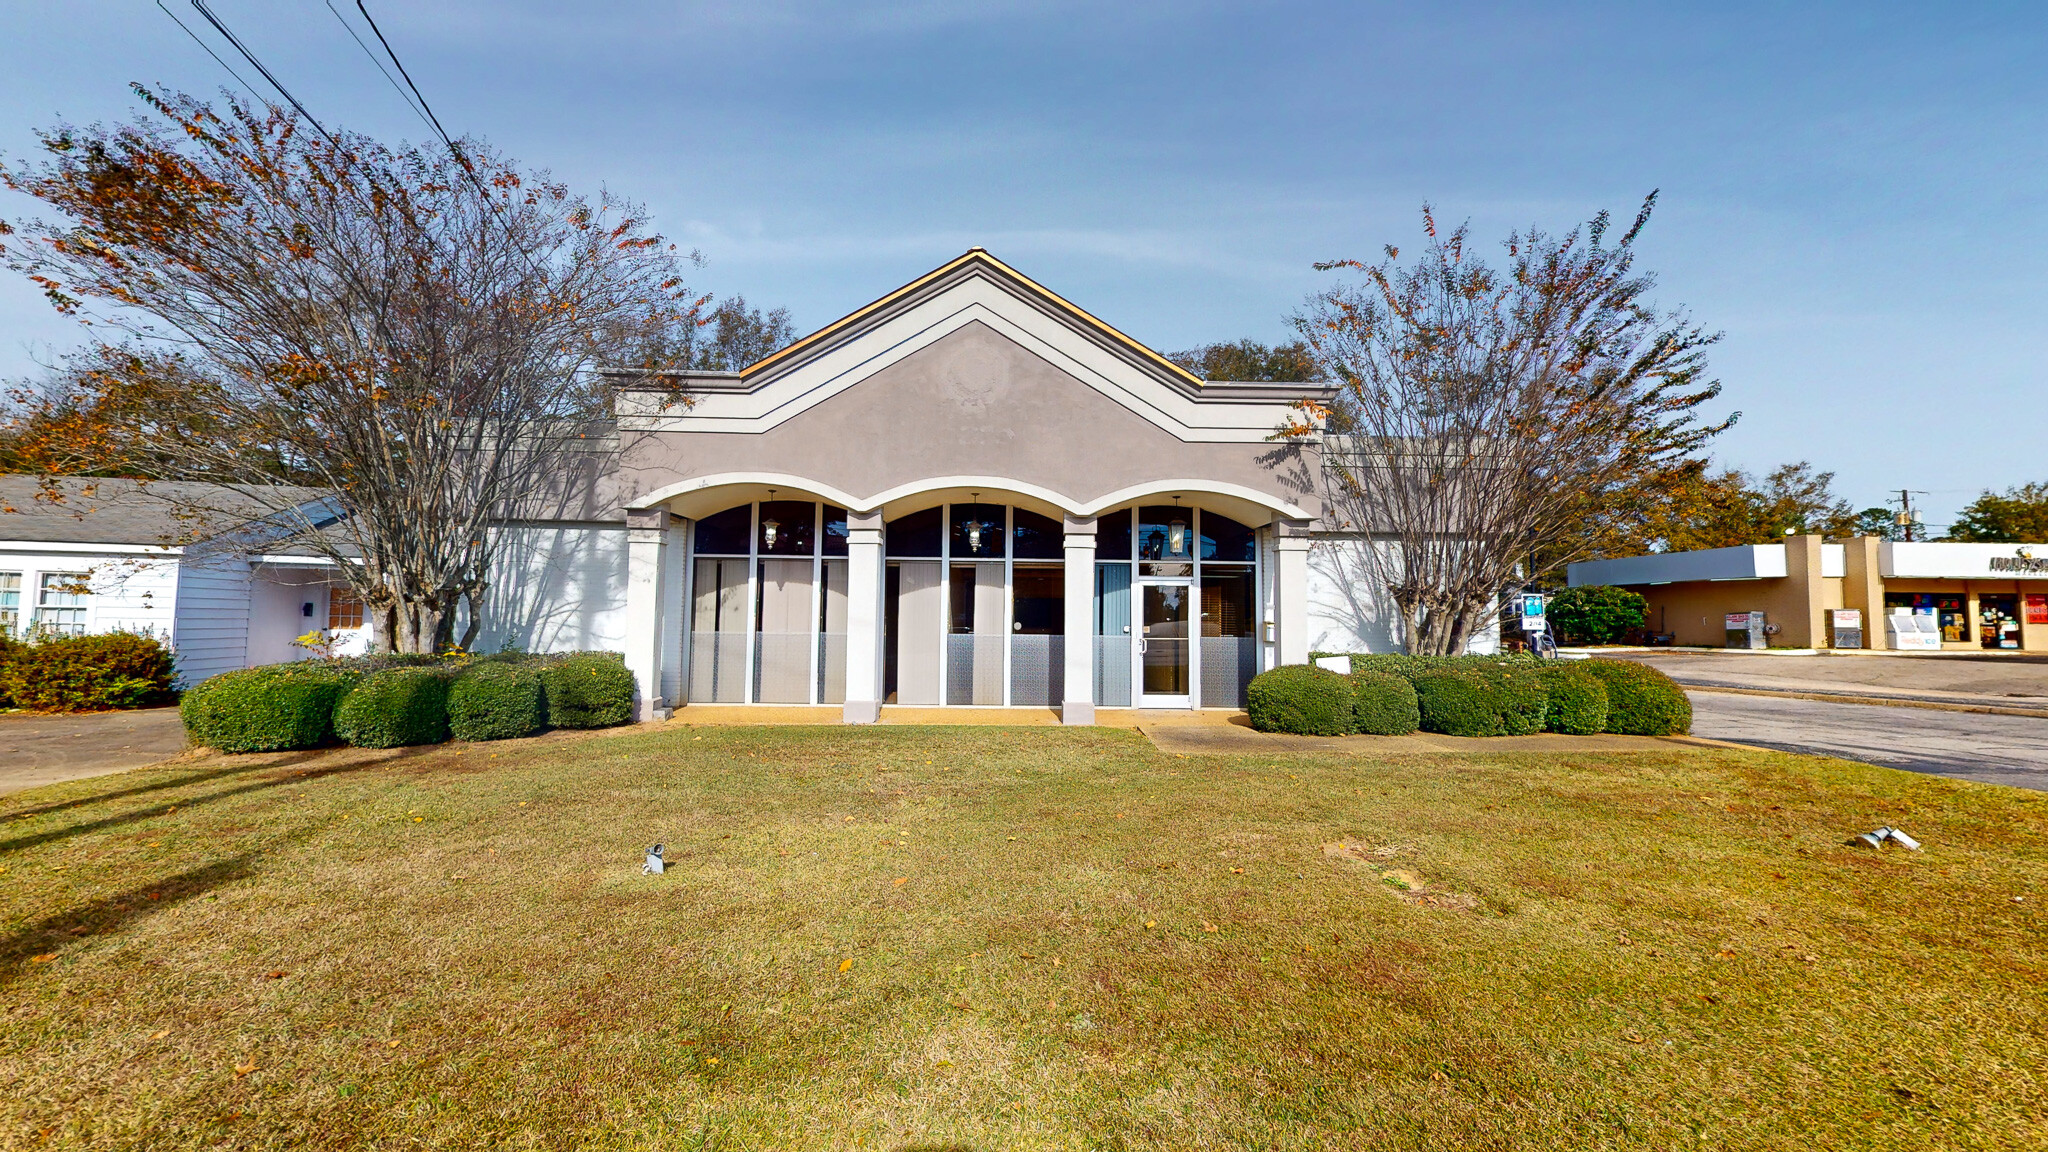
x: 1139, y: 697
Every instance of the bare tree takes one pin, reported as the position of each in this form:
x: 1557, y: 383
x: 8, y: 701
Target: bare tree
x: 412, y: 331
x: 1482, y: 411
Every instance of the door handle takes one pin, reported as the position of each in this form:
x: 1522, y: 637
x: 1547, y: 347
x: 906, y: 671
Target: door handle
x: 1141, y: 645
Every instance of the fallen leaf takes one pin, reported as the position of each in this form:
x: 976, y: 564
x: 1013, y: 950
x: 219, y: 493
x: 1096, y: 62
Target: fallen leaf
x: 846, y: 964
x: 711, y: 1060
x: 1055, y: 961
x: 276, y: 974
x: 900, y: 881
x: 45, y: 958
x: 1725, y: 954
x: 245, y: 1069
x: 1237, y: 871
x: 1151, y: 923
x: 1633, y: 1036
x: 160, y: 1034
x: 1208, y: 927
x: 393, y: 1044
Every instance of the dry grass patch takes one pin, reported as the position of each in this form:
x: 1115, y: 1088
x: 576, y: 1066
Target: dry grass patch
x: 1017, y: 938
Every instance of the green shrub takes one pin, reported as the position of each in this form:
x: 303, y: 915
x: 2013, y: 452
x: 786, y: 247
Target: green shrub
x: 498, y: 700
x: 1523, y: 696
x: 1383, y: 704
x: 1597, y: 613
x: 588, y: 690
x: 1642, y: 701
x: 1459, y: 703
x: 395, y: 708
x: 275, y: 708
x: 1302, y: 699
x: 1402, y: 664
x: 1578, y: 699
x: 9, y: 648
x: 87, y: 673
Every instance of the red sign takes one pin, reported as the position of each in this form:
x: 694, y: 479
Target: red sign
x: 2037, y: 607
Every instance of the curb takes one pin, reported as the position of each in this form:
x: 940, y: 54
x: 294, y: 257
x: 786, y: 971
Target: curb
x: 1880, y: 701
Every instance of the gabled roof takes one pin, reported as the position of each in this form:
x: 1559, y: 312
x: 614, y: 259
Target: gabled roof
x: 90, y: 510
x: 818, y: 365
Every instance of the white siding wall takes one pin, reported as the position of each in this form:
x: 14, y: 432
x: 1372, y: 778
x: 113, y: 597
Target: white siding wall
x: 557, y: 590
x: 213, y: 617
x: 130, y: 592
x: 1347, y: 609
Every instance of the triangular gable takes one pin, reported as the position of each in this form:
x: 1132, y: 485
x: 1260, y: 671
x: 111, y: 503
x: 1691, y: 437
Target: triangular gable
x: 976, y: 287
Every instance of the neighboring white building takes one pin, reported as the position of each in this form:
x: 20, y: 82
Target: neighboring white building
x: 95, y: 560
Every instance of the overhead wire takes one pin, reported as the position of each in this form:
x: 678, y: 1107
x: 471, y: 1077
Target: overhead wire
x: 238, y: 46
x: 208, y: 49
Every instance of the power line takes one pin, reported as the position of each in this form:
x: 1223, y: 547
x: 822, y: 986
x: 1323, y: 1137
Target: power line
x: 208, y: 48
x: 353, y: 35
x: 238, y: 46
x: 454, y: 149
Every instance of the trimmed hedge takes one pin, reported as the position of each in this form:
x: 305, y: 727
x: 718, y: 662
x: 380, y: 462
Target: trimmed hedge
x: 1302, y: 699
x: 496, y: 701
x: 1383, y: 704
x: 1459, y: 703
x: 395, y: 708
x: 1642, y: 701
x: 1598, y: 613
x: 1524, y: 698
x: 1578, y: 700
x: 588, y: 690
x: 87, y: 673
x: 275, y: 708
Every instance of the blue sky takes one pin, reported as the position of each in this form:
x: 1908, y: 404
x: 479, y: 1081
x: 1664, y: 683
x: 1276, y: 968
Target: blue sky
x: 1853, y: 193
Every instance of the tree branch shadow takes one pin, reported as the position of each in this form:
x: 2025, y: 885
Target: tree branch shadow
x: 51, y: 933
x: 293, y: 779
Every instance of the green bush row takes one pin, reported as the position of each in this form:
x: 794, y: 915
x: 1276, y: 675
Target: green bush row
x: 85, y: 673
x: 406, y: 701
x: 1470, y: 696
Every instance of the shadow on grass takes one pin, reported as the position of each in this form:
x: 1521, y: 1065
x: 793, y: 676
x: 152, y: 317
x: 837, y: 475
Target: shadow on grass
x: 17, y: 949
x: 291, y: 779
x: 145, y: 789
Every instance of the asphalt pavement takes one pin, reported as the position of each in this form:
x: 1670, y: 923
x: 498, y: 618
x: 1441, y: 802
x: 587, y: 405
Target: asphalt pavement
x: 1990, y: 749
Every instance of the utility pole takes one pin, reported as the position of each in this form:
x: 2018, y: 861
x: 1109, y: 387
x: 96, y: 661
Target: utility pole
x: 1908, y: 519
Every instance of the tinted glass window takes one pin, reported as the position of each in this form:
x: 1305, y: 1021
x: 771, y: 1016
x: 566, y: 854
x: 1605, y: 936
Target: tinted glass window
x: 977, y: 531
x: 835, y: 531
x: 1157, y: 533
x: 1039, y: 600
x: 1225, y: 539
x: 1227, y: 602
x: 914, y: 535
x: 1113, y: 535
x: 1038, y: 537
x: 788, y: 528
x: 726, y: 533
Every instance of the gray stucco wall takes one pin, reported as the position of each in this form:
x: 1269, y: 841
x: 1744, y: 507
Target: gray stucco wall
x: 973, y: 404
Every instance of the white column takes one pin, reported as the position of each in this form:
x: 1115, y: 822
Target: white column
x: 864, y: 584
x: 1290, y: 589
x: 675, y: 569
x: 1078, y: 704
x: 646, y: 569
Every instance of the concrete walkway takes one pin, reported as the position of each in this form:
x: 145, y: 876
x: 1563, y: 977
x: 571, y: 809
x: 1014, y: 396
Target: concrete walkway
x: 39, y: 750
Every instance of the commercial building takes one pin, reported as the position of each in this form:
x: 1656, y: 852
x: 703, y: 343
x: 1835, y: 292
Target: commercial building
x: 1938, y: 596
x: 969, y: 493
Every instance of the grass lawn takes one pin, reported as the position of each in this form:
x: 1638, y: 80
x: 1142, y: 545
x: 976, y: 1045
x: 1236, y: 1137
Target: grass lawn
x: 961, y: 938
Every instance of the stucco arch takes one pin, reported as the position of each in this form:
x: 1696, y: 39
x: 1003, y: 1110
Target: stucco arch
x: 704, y: 495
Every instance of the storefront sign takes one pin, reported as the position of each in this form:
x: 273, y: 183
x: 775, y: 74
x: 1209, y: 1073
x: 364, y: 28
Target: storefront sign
x: 2023, y: 563
x: 2037, y: 607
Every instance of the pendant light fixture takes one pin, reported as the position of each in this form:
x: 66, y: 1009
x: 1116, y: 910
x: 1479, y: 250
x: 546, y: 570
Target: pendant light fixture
x: 769, y: 528
x: 974, y: 526
x: 1177, y: 534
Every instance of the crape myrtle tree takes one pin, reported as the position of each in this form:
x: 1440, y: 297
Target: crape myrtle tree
x: 412, y: 331
x: 1482, y: 411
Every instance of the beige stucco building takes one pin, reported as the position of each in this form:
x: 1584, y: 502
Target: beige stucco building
x: 1966, y: 596
x: 968, y: 493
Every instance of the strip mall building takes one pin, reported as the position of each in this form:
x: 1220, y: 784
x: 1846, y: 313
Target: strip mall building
x: 1966, y: 597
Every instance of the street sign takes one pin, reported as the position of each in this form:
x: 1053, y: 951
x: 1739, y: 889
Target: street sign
x: 1532, y: 612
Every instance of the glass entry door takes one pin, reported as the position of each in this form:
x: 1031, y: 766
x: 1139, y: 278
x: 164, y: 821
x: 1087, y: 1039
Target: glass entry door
x: 1164, y: 649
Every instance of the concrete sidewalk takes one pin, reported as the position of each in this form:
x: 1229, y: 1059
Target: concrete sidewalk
x: 39, y: 750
